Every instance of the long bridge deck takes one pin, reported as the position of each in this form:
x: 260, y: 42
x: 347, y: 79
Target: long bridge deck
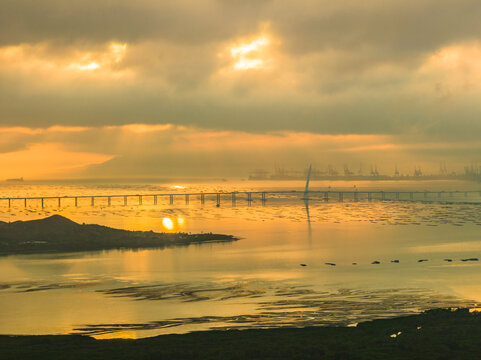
x: 247, y: 196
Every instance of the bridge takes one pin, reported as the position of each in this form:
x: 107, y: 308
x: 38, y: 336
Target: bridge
x: 235, y: 196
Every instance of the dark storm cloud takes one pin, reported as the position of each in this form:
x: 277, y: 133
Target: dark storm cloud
x: 395, y: 27
x: 101, y: 21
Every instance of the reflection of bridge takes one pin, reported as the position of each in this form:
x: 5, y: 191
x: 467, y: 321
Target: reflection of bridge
x: 247, y: 196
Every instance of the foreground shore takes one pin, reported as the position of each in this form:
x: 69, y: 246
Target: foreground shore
x: 59, y: 234
x: 436, y: 334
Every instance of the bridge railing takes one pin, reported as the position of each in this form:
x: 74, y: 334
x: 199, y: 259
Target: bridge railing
x: 245, y: 196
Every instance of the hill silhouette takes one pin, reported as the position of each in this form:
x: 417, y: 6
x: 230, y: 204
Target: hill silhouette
x: 60, y: 234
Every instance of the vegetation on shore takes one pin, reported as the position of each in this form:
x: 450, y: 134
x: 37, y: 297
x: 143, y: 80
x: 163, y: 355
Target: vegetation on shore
x: 435, y: 334
x: 59, y: 234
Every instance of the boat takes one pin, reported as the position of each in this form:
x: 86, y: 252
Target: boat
x: 20, y: 179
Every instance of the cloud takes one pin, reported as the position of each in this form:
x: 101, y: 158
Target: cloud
x: 142, y: 150
x: 240, y: 74
x: 40, y: 161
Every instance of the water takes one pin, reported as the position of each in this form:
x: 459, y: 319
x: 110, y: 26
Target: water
x: 257, y: 281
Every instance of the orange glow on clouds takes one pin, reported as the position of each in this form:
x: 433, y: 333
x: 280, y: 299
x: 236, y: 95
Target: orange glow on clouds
x: 36, y: 131
x: 44, y: 160
x: 28, y: 58
x: 251, y: 55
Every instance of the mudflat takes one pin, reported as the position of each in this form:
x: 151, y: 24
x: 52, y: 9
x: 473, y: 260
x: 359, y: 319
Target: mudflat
x: 435, y: 334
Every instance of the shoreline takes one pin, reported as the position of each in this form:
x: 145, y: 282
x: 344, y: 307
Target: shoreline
x: 57, y: 234
x: 434, y: 334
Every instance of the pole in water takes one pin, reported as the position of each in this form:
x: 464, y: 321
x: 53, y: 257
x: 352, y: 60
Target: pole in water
x: 369, y: 196
x: 186, y: 199
x: 249, y: 198
x: 92, y: 201
x: 155, y: 199
x: 42, y: 203
x: 76, y: 201
x: 326, y: 196
x: 125, y: 200
x: 233, y: 199
x: 397, y: 196
x: 109, y: 200
x: 171, y: 199
x: 306, y: 190
x: 383, y: 196
x: 25, y: 202
x: 341, y: 196
x: 411, y: 196
x: 58, y: 202
x: 218, y: 200
x: 263, y: 198
x: 140, y: 199
x: 9, y: 203
x: 202, y: 198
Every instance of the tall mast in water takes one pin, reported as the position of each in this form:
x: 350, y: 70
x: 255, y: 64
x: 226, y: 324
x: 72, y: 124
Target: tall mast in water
x: 306, y: 190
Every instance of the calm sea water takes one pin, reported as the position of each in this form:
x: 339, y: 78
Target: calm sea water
x: 257, y: 281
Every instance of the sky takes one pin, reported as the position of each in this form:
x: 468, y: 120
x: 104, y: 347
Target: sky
x: 149, y: 88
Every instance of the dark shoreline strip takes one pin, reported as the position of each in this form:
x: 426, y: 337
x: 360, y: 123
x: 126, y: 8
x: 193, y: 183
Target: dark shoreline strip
x: 435, y: 334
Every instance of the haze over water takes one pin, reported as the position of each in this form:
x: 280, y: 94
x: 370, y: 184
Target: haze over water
x: 257, y: 281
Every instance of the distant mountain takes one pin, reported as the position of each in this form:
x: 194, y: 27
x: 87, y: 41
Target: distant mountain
x: 59, y: 234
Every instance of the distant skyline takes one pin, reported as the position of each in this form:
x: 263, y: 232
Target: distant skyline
x: 219, y: 88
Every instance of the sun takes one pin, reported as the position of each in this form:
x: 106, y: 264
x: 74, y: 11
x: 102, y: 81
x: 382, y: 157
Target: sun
x: 167, y: 223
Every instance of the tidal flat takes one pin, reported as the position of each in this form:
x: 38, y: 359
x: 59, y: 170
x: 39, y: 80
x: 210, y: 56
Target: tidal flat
x: 297, y: 264
x: 435, y: 334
